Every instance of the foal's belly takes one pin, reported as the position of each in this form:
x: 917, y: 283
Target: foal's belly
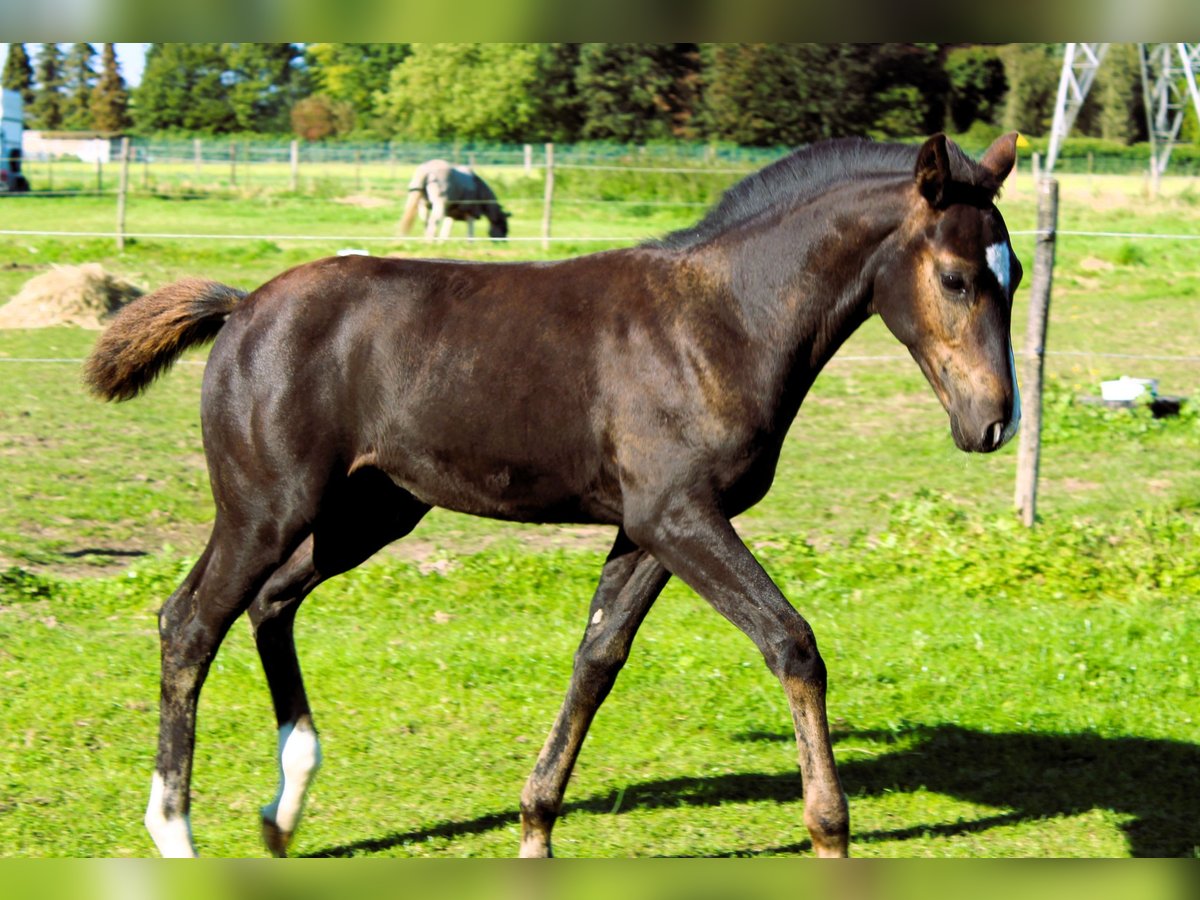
x: 529, y: 490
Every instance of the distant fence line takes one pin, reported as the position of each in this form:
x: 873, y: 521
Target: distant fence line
x: 207, y: 164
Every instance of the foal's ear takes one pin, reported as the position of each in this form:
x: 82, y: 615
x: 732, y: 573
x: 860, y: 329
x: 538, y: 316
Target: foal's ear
x: 933, y: 169
x: 1001, y: 156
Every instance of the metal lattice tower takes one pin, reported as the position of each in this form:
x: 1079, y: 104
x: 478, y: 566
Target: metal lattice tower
x: 1080, y: 64
x: 1168, y: 80
x: 1171, y: 67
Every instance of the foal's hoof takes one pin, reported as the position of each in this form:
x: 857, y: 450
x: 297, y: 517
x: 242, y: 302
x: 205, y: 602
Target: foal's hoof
x: 276, y: 839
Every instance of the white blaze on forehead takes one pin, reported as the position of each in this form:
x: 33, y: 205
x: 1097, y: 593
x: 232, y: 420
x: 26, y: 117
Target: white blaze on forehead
x: 999, y: 261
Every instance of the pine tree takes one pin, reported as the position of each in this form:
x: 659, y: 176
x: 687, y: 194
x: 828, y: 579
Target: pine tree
x: 787, y: 94
x: 80, y: 79
x: 18, y: 72
x: 184, y: 87
x: 637, y: 92
x: 47, y: 110
x: 110, y: 99
x: 264, y: 82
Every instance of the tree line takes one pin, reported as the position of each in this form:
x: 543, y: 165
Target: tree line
x: 746, y: 94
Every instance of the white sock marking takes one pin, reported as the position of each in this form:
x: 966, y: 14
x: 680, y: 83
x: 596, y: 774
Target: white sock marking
x: 299, y: 759
x: 172, y: 833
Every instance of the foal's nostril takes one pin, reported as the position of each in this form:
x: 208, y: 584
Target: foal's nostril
x: 992, y: 435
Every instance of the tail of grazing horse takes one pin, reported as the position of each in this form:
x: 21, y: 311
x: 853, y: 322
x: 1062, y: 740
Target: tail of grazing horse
x: 149, y: 334
x: 416, y: 191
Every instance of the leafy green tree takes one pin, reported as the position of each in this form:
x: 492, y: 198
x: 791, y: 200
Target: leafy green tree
x: 354, y: 74
x: 466, y: 91
x: 18, y: 72
x: 1118, y: 86
x: 772, y: 94
x: 79, y: 81
x: 319, y: 116
x: 264, y: 81
x: 184, y: 87
x: 637, y: 92
x: 110, y: 99
x: 977, y: 86
x: 908, y: 89
x: 1032, y: 71
x: 556, y: 95
x: 48, y: 109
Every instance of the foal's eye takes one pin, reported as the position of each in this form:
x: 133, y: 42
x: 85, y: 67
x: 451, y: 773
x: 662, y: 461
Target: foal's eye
x: 954, y: 283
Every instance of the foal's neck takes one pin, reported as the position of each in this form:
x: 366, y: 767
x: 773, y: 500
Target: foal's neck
x: 804, y: 281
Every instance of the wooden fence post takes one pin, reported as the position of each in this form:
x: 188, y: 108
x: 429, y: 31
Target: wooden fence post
x: 99, y: 170
x: 122, y: 188
x: 1030, y: 445
x: 199, y: 156
x: 529, y: 159
x: 295, y: 160
x: 548, y: 200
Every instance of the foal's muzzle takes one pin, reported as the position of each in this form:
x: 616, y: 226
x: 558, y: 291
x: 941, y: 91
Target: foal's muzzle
x: 986, y: 438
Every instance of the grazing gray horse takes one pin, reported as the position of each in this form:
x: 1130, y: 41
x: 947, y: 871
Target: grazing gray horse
x: 444, y: 193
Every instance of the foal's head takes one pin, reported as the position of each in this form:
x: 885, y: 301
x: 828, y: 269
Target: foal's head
x: 947, y: 294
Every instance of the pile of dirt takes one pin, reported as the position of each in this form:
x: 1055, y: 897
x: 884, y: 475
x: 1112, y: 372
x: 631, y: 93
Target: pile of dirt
x: 68, y: 295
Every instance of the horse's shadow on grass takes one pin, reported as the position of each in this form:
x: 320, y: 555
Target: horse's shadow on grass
x: 1028, y: 776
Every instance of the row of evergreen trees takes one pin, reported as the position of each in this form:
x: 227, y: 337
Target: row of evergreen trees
x: 749, y: 94
x: 67, y: 93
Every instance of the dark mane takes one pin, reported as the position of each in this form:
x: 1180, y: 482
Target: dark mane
x: 810, y: 171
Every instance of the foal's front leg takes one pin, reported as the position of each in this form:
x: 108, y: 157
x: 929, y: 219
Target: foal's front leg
x: 629, y: 584
x: 698, y: 543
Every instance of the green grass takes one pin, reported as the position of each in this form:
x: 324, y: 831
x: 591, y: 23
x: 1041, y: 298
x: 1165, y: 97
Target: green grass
x: 994, y: 691
x: 982, y: 703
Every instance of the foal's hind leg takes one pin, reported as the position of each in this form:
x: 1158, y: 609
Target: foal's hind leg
x: 630, y: 582
x: 272, y: 616
x: 192, y: 624
x: 358, y: 516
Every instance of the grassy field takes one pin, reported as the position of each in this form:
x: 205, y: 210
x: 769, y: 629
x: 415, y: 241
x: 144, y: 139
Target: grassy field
x: 994, y: 692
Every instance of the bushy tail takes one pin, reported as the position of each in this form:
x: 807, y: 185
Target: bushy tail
x: 410, y: 210
x: 149, y: 334
x: 416, y: 191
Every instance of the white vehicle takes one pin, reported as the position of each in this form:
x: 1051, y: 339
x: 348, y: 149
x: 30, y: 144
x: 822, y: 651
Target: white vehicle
x: 12, y: 126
